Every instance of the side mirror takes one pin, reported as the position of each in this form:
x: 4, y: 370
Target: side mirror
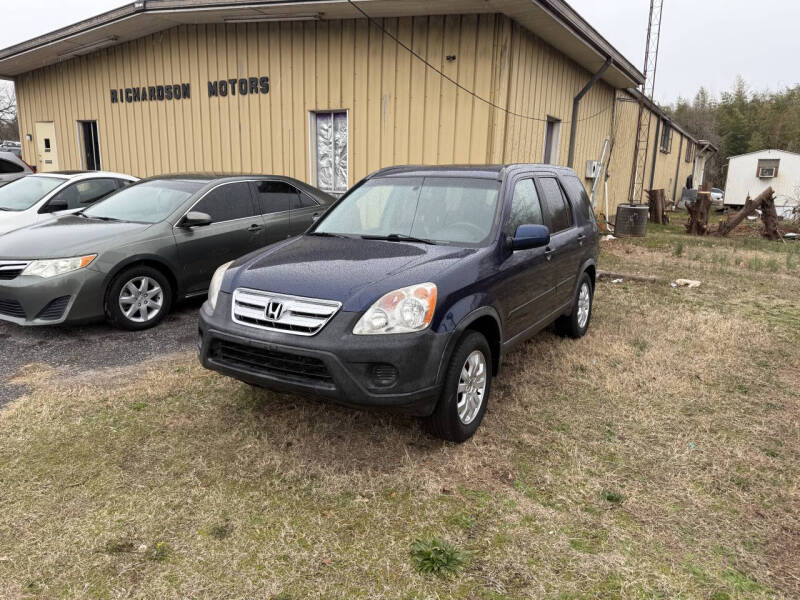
x: 195, y: 219
x: 530, y: 236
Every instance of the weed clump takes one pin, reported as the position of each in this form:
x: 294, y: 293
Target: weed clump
x: 436, y: 556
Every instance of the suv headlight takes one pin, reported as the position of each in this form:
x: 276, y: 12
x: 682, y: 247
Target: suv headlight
x: 216, y: 284
x: 58, y: 266
x: 401, y: 311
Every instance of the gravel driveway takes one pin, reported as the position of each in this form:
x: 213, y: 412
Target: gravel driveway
x: 96, y: 346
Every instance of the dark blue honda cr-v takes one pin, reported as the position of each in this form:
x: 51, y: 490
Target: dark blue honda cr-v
x: 408, y: 291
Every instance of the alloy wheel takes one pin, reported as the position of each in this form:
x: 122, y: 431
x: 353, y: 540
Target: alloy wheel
x: 471, y: 387
x: 141, y: 299
x: 584, y: 304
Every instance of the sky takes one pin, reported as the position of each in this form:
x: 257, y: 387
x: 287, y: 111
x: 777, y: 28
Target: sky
x: 703, y: 42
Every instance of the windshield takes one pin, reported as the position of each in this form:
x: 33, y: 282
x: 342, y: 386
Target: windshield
x: 449, y: 210
x: 145, y: 202
x: 24, y: 193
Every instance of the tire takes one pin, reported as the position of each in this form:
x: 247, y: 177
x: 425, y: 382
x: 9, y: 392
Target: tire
x: 456, y: 422
x: 576, y: 323
x: 145, y: 310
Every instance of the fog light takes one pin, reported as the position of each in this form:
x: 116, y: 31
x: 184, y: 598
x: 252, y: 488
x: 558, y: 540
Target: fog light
x: 383, y: 375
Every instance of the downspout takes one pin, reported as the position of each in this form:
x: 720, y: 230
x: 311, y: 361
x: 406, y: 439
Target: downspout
x: 655, y: 152
x: 677, y: 171
x: 573, y: 126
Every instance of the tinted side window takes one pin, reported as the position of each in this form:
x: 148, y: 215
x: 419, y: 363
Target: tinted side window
x: 227, y: 202
x: 556, y: 205
x: 525, y: 206
x: 304, y: 201
x: 580, y: 198
x: 89, y: 192
x: 275, y: 196
x: 7, y: 166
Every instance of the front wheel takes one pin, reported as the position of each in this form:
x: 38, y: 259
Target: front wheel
x: 138, y: 298
x: 466, y: 390
x: 576, y: 323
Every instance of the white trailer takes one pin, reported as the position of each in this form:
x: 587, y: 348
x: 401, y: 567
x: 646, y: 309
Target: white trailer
x: 750, y: 174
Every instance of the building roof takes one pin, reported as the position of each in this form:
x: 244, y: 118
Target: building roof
x: 552, y: 20
x: 637, y: 96
x: 765, y: 151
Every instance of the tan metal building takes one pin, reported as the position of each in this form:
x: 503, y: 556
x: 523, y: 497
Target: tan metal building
x: 316, y: 90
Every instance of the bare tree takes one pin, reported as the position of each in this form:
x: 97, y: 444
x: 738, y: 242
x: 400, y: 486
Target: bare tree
x: 8, y: 113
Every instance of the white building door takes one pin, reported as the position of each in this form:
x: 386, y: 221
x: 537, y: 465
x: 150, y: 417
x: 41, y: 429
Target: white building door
x: 46, y: 148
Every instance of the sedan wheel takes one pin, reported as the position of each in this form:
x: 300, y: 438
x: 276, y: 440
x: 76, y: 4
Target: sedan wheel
x: 141, y: 299
x: 138, y: 298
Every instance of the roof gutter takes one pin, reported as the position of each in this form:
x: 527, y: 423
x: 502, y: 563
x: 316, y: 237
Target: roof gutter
x: 585, y: 32
x: 573, y: 126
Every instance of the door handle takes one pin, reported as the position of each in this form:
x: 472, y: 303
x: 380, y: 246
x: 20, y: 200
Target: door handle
x: 314, y: 217
x: 255, y: 227
x: 548, y: 253
x: 581, y: 239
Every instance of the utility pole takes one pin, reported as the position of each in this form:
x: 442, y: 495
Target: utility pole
x: 636, y: 190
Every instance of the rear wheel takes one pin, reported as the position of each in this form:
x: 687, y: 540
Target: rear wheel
x: 465, y: 394
x: 576, y: 323
x: 138, y: 298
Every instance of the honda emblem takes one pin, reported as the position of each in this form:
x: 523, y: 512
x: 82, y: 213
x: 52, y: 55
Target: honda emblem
x: 274, y: 310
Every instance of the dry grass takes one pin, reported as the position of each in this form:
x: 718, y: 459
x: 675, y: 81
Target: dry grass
x: 656, y: 458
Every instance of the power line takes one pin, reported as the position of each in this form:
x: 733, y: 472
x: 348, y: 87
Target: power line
x: 458, y: 85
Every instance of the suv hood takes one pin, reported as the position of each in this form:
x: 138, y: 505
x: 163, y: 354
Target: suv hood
x: 354, y: 271
x: 65, y: 236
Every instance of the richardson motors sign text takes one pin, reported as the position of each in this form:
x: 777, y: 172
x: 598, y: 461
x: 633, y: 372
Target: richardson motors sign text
x: 242, y: 86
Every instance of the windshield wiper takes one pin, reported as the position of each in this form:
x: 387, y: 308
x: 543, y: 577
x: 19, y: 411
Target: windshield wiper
x: 110, y: 219
x: 399, y: 237
x: 326, y: 234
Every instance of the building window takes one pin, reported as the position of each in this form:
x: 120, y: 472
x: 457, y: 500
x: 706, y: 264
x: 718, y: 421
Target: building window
x: 768, y: 168
x: 329, y: 143
x: 666, y: 137
x: 552, y: 135
x: 90, y: 145
x: 689, y: 151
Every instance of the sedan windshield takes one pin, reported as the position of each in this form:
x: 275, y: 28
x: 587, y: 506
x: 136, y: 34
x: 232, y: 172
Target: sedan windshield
x: 24, y: 193
x: 449, y: 210
x: 145, y: 202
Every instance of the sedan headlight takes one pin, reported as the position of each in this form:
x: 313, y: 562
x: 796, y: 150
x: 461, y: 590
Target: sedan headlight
x: 401, y: 311
x: 216, y: 284
x: 58, y: 266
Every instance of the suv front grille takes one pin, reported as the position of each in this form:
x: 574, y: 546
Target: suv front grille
x: 9, y: 269
x: 270, y: 362
x: 278, y: 312
x: 11, y: 308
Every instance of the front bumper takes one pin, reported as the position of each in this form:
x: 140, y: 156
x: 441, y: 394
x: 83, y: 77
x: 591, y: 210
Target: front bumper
x: 348, y: 369
x: 73, y: 297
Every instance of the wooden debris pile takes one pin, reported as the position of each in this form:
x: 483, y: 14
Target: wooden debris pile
x: 765, y: 202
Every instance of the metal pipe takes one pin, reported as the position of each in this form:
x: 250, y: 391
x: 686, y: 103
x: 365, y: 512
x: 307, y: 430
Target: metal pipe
x: 573, y: 126
x: 655, y: 153
x: 677, y: 172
